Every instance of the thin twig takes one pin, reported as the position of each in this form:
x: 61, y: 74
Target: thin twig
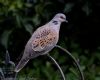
x: 15, y: 76
x: 77, y: 64
x: 57, y: 66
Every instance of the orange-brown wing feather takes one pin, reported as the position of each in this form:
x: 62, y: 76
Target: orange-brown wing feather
x: 45, y: 38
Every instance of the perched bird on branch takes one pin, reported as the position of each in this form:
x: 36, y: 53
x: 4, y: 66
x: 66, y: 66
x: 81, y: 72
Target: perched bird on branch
x: 43, y: 40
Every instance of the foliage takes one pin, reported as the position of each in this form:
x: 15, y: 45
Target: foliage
x: 19, y: 18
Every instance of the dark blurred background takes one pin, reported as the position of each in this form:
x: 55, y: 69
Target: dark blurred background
x: 19, y: 18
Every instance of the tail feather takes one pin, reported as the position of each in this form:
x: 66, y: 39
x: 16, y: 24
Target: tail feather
x: 21, y: 64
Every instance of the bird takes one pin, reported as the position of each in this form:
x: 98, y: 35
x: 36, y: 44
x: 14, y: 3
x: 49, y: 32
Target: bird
x: 42, y: 41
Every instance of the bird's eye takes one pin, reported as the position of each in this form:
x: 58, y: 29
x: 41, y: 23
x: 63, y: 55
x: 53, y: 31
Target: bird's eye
x: 62, y: 17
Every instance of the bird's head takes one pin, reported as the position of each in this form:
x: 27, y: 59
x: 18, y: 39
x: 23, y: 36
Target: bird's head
x: 60, y: 17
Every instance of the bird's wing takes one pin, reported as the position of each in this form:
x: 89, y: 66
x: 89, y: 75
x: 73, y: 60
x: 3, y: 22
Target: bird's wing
x: 44, y: 38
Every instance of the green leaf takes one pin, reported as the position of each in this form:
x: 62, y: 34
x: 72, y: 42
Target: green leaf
x: 28, y: 28
x: 86, y: 9
x: 36, y: 20
x: 18, y: 20
x: 97, y: 78
x: 74, y: 72
x: 68, y: 7
x: 5, y: 38
x: 71, y: 76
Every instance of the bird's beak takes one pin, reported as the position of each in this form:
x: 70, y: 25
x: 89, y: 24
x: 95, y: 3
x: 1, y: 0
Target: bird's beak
x: 66, y: 21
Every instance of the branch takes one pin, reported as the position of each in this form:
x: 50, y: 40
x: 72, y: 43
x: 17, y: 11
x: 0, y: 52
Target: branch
x: 15, y: 76
x: 77, y: 64
x: 57, y: 66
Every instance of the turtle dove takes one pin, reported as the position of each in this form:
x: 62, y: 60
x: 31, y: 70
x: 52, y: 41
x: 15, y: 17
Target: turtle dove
x: 43, y: 40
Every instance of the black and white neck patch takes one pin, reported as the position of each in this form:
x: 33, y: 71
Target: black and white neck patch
x: 55, y: 22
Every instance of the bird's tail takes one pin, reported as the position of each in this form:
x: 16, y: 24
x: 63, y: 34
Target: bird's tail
x: 21, y: 64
